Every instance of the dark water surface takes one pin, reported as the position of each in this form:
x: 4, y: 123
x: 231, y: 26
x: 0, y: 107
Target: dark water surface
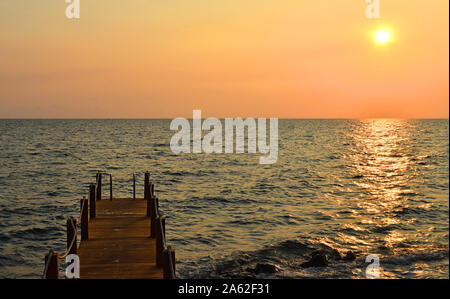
x: 370, y: 187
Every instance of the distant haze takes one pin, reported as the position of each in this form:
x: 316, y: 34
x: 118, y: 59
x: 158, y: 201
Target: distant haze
x: 259, y: 58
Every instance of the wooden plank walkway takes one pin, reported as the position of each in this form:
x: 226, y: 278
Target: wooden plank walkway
x: 120, y: 238
x: 119, y: 244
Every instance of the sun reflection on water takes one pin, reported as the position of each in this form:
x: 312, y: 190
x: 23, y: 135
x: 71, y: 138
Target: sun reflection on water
x: 381, y: 163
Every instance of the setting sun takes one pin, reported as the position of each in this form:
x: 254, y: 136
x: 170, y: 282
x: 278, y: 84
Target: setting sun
x: 383, y: 36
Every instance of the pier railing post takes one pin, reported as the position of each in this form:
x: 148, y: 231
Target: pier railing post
x: 156, y: 230
x: 72, y: 234
x: 163, y: 220
x: 159, y: 242
x: 134, y: 186
x: 172, y: 252
x: 110, y: 187
x: 158, y: 248
x: 152, y: 209
x: 84, y: 220
x: 146, y: 180
x: 99, y: 186
x: 166, y: 263
x: 92, y: 202
x: 53, y: 265
x: 153, y: 218
x: 153, y: 202
x: 147, y: 193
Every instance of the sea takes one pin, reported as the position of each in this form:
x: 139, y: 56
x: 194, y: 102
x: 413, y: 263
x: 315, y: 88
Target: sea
x: 346, y: 189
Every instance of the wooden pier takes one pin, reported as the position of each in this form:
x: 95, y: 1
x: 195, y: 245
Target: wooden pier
x: 120, y: 238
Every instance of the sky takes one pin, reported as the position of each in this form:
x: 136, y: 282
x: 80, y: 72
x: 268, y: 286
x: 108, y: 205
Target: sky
x: 229, y: 58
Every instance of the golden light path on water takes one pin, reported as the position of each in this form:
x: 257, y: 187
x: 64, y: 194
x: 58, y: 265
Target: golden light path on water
x: 379, y: 157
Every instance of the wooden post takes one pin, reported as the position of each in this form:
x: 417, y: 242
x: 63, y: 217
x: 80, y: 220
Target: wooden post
x: 158, y: 247
x: 146, y: 180
x: 154, y: 227
x: 172, y: 252
x: 163, y: 220
x: 166, y: 267
x: 153, y: 206
x: 154, y: 216
x: 99, y: 186
x: 53, y: 265
x: 84, y: 220
x: 92, y: 202
x: 159, y: 243
x: 152, y: 210
x: 134, y: 186
x: 147, y: 193
x: 148, y: 198
x: 72, y: 234
x: 110, y: 187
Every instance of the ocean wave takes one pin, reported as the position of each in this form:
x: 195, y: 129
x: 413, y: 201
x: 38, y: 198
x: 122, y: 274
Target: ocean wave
x: 35, y: 233
x: 410, y: 256
x: 291, y: 258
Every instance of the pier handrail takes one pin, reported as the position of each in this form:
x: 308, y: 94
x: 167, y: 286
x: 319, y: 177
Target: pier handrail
x: 171, y: 262
x: 71, y: 245
x: 74, y: 238
x: 73, y: 242
x: 167, y: 252
x: 165, y: 255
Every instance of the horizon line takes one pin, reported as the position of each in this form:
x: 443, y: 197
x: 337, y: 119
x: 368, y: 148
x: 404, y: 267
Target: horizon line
x: 167, y: 118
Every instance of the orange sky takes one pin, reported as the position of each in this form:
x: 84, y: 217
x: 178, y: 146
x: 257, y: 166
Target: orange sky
x: 229, y: 58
